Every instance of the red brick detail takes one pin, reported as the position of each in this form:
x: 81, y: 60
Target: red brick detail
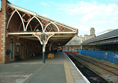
x: 2, y: 27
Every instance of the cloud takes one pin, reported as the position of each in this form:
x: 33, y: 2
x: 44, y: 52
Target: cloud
x: 87, y: 14
x: 89, y: 10
x: 111, y: 22
x: 112, y: 0
x: 104, y: 17
x: 79, y: 8
x: 100, y: 22
x: 83, y: 29
x: 44, y: 4
x: 115, y: 18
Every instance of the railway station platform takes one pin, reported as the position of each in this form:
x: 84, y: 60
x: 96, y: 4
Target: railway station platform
x: 57, y: 70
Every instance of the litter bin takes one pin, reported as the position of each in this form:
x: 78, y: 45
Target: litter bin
x: 50, y: 55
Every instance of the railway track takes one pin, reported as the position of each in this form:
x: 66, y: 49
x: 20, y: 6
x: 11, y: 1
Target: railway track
x: 92, y: 76
x: 106, y: 67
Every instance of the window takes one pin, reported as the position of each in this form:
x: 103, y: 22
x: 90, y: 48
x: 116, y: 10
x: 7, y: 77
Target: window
x: 17, y: 49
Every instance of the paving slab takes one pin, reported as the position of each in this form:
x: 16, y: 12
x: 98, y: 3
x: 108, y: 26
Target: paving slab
x: 32, y: 70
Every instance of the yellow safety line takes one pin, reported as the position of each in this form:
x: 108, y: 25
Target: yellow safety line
x: 69, y: 78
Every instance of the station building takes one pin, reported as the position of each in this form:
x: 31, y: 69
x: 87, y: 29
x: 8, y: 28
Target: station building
x: 74, y: 44
x: 86, y: 37
x: 24, y: 33
x: 104, y: 42
x: 103, y: 47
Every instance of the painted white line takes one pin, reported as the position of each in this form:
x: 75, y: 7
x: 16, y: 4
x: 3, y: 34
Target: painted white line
x: 87, y: 81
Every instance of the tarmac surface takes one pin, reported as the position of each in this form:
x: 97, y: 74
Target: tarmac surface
x: 32, y: 70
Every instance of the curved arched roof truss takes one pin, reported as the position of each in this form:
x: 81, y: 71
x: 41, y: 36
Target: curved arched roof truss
x: 38, y: 24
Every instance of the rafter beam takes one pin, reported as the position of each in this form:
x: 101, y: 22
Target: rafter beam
x: 30, y: 33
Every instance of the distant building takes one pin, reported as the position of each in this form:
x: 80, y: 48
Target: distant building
x: 86, y: 37
x: 92, y: 32
x: 73, y: 44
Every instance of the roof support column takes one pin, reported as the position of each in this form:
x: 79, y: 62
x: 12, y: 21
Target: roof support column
x: 43, y: 52
x: 43, y: 38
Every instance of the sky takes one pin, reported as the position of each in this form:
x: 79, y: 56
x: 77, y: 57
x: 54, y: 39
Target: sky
x: 80, y: 14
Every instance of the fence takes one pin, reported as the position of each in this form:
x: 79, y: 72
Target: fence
x: 108, y: 56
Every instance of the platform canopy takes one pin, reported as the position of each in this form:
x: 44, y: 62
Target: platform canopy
x: 107, y: 38
x: 32, y: 25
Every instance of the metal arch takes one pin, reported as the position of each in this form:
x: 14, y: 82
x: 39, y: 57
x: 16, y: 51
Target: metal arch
x: 50, y: 35
x: 30, y: 27
x: 37, y: 20
x: 38, y: 38
x: 10, y: 18
x: 21, y: 20
x: 19, y: 27
x: 40, y: 23
x: 29, y: 22
x: 53, y: 24
x: 36, y: 27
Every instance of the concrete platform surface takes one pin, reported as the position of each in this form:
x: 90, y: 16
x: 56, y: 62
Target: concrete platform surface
x: 32, y: 70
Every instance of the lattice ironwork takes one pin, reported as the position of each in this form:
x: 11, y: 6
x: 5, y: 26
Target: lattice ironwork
x: 47, y: 37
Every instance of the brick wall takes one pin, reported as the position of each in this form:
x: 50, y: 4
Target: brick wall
x: 32, y: 47
x: 5, y: 40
